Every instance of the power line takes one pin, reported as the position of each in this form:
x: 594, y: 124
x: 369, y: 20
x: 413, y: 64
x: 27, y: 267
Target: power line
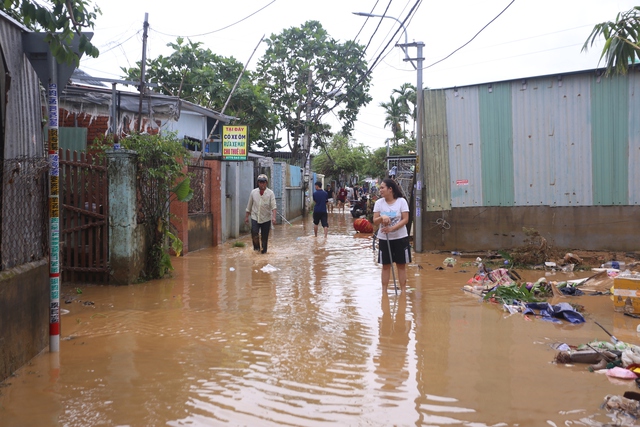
x: 219, y: 29
x: 470, y: 40
x: 377, y: 27
x: 122, y: 42
x: 362, y: 27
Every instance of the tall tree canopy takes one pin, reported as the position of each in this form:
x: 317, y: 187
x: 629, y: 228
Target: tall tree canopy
x: 395, y: 118
x: 341, y: 157
x: 376, y: 165
x: 621, y: 41
x: 339, y: 81
x: 200, y: 76
x: 62, y: 20
x: 401, y: 107
x: 408, y: 100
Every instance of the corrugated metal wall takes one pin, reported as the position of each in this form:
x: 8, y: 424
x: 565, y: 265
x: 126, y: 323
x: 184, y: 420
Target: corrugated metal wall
x: 464, y: 146
x: 436, y: 152
x: 571, y: 140
x: 609, y: 145
x: 496, y: 148
x: 552, y: 139
x: 23, y: 119
x: 634, y: 141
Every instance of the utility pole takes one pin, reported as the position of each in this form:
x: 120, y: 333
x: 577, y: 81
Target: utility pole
x: 307, y: 140
x: 419, y: 119
x: 417, y: 235
x: 143, y: 68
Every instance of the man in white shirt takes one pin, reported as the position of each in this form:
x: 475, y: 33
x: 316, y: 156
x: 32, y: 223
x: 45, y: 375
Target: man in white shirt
x: 262, y: 211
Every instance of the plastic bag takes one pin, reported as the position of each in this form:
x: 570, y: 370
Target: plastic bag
x: 449, y: 261
x: 630, y: 355
x: 622, y: 373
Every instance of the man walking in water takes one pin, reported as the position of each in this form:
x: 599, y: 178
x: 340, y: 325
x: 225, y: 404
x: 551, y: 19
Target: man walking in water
x: 320, y: 198
x: 262, y: 210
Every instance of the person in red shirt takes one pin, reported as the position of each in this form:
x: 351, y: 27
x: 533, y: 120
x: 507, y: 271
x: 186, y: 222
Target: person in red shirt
x: 342, y: 198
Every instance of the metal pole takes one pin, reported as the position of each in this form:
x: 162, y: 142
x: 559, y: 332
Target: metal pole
x: 113, y: 127
x: 419, y: 152
x: 404, y: 47
x: 54, y: 211
x: 419, y: 120
x: 143, y: 70
x: 233, y: 89
x: 307, y: 142
x: 388, y: 165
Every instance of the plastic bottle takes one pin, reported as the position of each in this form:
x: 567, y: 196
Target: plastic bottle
x: 618, y: 265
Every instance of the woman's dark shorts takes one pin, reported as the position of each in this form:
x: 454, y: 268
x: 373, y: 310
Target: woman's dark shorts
x: 400, y: 251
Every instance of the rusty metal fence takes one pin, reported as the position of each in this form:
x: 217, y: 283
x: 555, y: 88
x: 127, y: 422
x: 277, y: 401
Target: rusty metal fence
x: 23, y: 195
x: 201, y: 186
x: 84, y: 237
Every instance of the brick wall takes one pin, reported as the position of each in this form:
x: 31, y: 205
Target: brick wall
x: 96, y: 126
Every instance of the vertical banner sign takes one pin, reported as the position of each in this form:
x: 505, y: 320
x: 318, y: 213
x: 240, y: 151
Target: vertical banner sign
x: 54, y: 222
x: 235, y: 142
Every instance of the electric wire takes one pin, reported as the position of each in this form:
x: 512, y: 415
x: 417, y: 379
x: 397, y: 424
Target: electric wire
x: 219, y: 29
x: 377, y: 27
x: 404, y: 28
x: 121, y: 43
x: 375, y: 63
x: 472, y: 38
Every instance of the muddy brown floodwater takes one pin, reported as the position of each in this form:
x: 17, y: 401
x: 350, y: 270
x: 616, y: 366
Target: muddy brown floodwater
x: 313, y: 343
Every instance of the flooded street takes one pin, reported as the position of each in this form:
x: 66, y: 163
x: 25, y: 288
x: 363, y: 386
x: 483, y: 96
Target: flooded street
x: 313, y: 343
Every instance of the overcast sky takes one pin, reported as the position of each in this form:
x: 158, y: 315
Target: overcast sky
x: 530, y: 38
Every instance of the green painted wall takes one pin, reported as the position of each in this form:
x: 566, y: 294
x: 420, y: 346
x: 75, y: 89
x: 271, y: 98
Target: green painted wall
x: 496, y: 142
x: 610, y: 140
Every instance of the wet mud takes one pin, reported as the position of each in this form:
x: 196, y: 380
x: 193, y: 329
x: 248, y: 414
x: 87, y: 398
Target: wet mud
x: 303, y: 336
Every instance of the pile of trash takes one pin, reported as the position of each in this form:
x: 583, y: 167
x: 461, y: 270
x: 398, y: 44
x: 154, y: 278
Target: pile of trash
x: 505, y: 287
x: 617, y: 360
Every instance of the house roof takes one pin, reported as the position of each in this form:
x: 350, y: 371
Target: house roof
x: 89, y: 95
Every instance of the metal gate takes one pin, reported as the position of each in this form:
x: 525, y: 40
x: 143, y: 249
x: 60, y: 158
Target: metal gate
x: 84, y: 234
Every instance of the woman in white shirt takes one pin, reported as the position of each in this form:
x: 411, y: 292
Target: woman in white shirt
x: 391, y: 212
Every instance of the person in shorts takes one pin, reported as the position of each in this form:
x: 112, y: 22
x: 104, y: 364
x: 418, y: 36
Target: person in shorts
x: 391, y: 213
x: 331, y: 200
x: 320, y: 198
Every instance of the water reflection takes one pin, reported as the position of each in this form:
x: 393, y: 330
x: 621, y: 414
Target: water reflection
x: 312, y: 343
x: 393, y: 342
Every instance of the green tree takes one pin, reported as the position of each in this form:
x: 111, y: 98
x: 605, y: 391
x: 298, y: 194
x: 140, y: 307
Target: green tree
x: 200, y: 76
x: 341, y: 156
x: 339, y: 81
x: 407, y: 98
x: 62, y: 20
x: 395, y: 117
x: 376, y: 164
x: 621, y: 41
